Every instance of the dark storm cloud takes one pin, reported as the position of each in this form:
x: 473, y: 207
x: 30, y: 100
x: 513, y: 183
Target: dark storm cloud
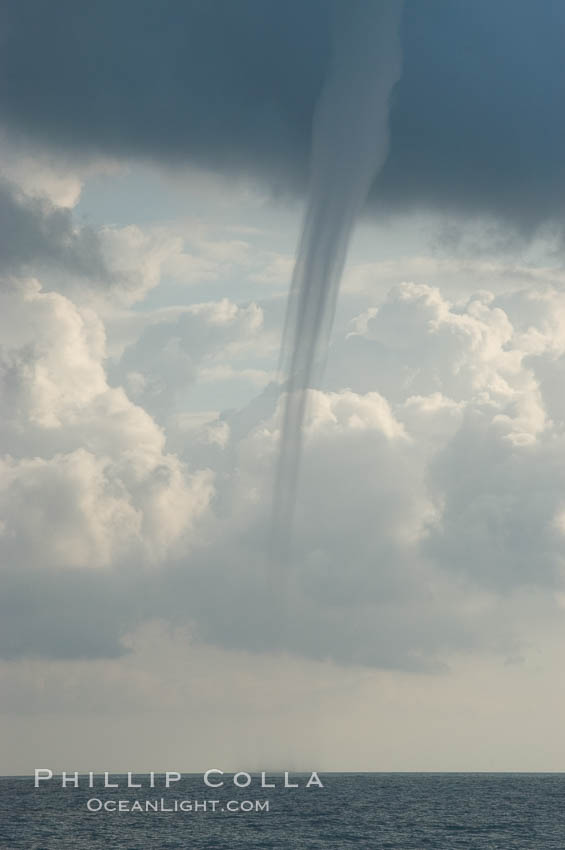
x: 222, y: 82
x: 477, y: 122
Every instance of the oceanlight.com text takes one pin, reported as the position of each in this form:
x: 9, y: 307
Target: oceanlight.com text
x: 95, y: 805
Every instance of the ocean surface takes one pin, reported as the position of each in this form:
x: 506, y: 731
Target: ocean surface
x: 374, y: 811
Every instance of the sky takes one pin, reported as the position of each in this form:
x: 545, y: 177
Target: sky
x: 153, y: 180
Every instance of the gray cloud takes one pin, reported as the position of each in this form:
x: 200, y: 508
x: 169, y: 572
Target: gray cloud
x: 33, y: 231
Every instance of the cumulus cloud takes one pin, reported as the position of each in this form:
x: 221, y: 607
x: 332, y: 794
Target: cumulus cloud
x: 437, y: 497
x: 431, y: 495
x: 40, y: 237
x: 180, y: 345
x: 431, y: 499
x: 88, y: 479
x: 418, y: 343
x: 108, y: 266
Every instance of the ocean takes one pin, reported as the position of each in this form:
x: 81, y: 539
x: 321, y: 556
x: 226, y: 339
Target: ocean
x: 373, y: 811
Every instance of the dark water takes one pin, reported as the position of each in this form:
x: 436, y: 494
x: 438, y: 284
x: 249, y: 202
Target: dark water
x: 370, y: 811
